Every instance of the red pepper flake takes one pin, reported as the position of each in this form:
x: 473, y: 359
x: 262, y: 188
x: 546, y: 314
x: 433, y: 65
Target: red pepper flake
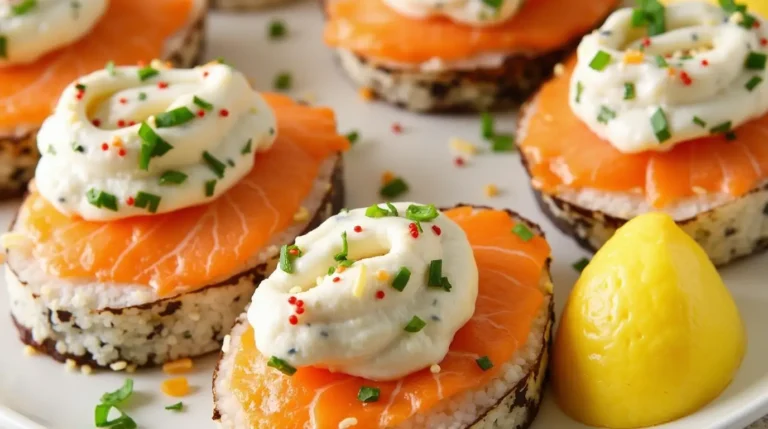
x: 104, y: 146
x: 130, y: 201
x: 299, y: 303
x: 358, y: 228
x: 397, y: 128
x: 687, y: 81
x: 336, y: 279
x: 162, y: 85
x: 121, y: 123
x: 121, y: 152
x: 123, y: 100
x: 704, y: 62
x: 380, y: 294
x: 414, y: 231
x: 756, y: 24
x: 647, y: 42
x: 292, y: 300
x: 205, y: 73
x: 763, y: 41
x: 293, y: 320
x: 300, y: 310
x: 459, y: 161
x: 79, y: 95
x: 132, y: 123
x: 294, y: 251
x: 223, y: 113
x: 436, y: 229
x: 96, y: 122
x: 201, y: 113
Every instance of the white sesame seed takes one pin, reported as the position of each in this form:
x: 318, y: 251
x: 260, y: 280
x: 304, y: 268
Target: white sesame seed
x: 119, y: 365
x: 70, y: 364
x: 348, y: 423
x: 301, y: 215
x: 297, y: 289
x: 29, y: 351
x: 86, y: 369
x: 435, y: 369
x: 225, y: 344
x: 559, y: 69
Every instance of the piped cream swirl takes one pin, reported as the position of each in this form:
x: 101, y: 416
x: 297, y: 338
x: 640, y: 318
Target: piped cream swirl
x: 29, y: 30
x: 696, y: 69
x: 102, y: 129
x: 477, y: 13
x: 346, y: 325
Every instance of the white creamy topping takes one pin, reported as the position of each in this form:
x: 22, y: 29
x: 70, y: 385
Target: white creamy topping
x: 477, y: 13
x: 31, y: 29
x: 345, y: 326
x: 706, y: 77
x: 92, y: 146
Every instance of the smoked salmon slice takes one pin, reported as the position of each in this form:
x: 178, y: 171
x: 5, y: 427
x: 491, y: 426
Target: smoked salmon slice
x: 373, y: 29
x: 560, y: 150
x: 184, y: 250
x: 510, y: 298
x: 130, y: 31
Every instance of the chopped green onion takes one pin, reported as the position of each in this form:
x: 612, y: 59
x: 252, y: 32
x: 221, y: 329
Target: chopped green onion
x: 722, y: 128
x: 178, y: 116
x: 283, y: 81
x: 214, y: 164
x: 421, y: 213
x: 78, y: 147
x: 392, y: 209
x: 102, y: 199
x: 486, y: 125
x: 752, y: 84
x: 172, y: 177
x: 415, y: 325
x: 580, y: 264
x: 281, y: 365
x: 101, y: 418
x: 731, y: 7
x: 730, y: 136
x: 400, y: 281
x: 605, y: 115
x: 80, y: 87
x: 496, y: 4
x: 484, y: 363
x: 342, y: 256
x: 629, y: 91
x: 147, y: 72
x: 579, y: 91
x: 175, y: 407
x: 394, y: 188
x: 755, y: 61
x: 142, y: 96
x: 660, y: 126
x: 152, y: 146
x: 145, y: 200
x: 418, y: 226
x: 110, y: 67
x: 286, y: 258
x: 446, y: 284
x: 199, y: 102
x: 331, y: 270
x: 353, y: 136
x: 522, y: 231
x: 346, y: 263
x: 230, y: 162
x: 700, y: 122
x: 23, y: 7
x: 661, y: 62
x: 435, y: 273
x: 375, y: 211
x: 119, y: 395
x: 3, y: 47
x: 368, y: 394
x: 210, y: 187
x: 277, y: 29
x: 600, y: 61
x: 502, y: 143
x: 247, y: 148
x: 649, y: 13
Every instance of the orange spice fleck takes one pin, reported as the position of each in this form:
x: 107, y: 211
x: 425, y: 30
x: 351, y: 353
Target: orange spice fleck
x: 366, y: 93
x: 180, y: 366
x: 387, y: 177
x: 175, y: 387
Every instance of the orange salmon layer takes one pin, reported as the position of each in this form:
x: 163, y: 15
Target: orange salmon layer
x: 130, y: 31
x: 373, y: 29
x: 508, y: 302
x: 560, y: 150
x: 184, y: 250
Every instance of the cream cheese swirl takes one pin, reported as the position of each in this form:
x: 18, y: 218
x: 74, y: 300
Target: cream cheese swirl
x: 477, y: 13
x: 355, y: 321
x: 705, y: 75
x: 135, y: 141
x: 31, y: 29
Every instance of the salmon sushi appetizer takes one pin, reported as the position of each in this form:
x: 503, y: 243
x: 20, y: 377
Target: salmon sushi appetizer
x: 395, y: 316
x: 247, y: 4
x: 666, y: 113
x: 161, y: 200
x: 46, y: 44
x: 430, y: 55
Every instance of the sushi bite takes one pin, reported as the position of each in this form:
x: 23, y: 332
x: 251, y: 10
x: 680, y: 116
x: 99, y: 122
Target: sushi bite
x: 247, y: 4
x: 395, y: 316
x: 667, y: 114
x: 46, y: 44
x: 428, y: 55
x: 143, y: 237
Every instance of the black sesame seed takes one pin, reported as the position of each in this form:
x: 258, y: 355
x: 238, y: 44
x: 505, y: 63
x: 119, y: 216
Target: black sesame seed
x: 292, y: 351
x: 323, y: 334
x: 435, y: 318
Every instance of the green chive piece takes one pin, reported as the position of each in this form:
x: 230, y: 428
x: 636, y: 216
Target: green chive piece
x: 283, y: 81
x: 331, y: 270
x: 605, y: 115
x: 400, y: 281
x: 579, y: 91
x: 394, y: 188
x: 341, y: 256
x: 600, y: 61
x: 435, y: 274
x: 199, y: 102
x: 147, y: 72
x: 446, y: 284
x: 753, y: 83
x: 101, y: 418
x: 145, y: 200
x: 119, y: 395
x: 101, y: 200
x: 3, y: 47
x: 629, y: 91
x: 142, y: 96
x: 281, y: 365
x: 175, y: 407
x: 214, y: 164
x: 353, y: 137
x: 110, y: 68
x: 80, y: 87
x: 580, y: 264
x: 486, y: 125
x: 418, y: 226
x: 421, y: 213
x: 346, y: 263
x: 368, y: 394
x: 287, y: 256
x: 502, y: 143
x: 375, y: 211
x: 720, y: 129
x: 23, y: 7
x: 700, y: 122
x: 755, y: 61
x: 522, y: 231
x: 210, y: 187
x: 152, y: 146
x: 649, y: 13
x: 392, y: 209
x: 78, y: 147
x: 484, y: 363
x: 415, y: 325
x: 661, y: 62
x: 172, y: 177
x: 247, y: 148
x: 660, y: 126
x: 172, y: 118
x: 277, y: 30
x: 496, y: 4
x: 731, y: 7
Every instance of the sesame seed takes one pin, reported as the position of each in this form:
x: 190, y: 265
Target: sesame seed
x: 29, y: 351
x: 118, y: 366
x: 70, y: 364
x: 559, y: 69
x: 491, y: 190
x: 435, y: 369
x: 348, y: 423
x: 86, y: 369
x: 296, y: 289
x: 130, y: 368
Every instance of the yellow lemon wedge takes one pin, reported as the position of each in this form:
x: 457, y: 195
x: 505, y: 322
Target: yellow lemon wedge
x: 649, y: 333
x: 753, y: 6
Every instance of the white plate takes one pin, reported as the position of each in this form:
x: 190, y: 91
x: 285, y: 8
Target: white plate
x: 38, y: 392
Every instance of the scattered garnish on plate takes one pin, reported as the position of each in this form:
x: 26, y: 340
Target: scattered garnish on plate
x: 353, y: 136
x: 580, y: 264
x: 111, y: 400
x: 175, y: 387
x: 277, y: 29
x: 175, y: 407
x: 283, y: 81
x: 393, y: 188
